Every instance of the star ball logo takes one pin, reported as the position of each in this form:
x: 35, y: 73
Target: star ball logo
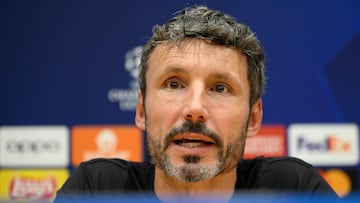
x: 127, y: 98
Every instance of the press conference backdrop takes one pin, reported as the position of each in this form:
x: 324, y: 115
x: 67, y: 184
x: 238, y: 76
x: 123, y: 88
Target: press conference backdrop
x: 68, y: 85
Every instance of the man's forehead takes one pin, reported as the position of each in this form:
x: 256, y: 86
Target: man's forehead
x: 194, y: 48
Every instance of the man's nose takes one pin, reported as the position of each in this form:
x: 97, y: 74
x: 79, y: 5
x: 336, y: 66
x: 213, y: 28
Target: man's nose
x: 195, y: 109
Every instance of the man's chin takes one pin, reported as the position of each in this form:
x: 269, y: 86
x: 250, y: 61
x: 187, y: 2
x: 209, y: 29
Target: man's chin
x: 192, y: 172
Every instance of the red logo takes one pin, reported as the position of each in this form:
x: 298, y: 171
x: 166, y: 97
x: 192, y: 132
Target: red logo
x: 269, y: 142
x: 32, y: 188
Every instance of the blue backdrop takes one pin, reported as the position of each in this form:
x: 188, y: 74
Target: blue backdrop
x: 71, y: 62
x: 62, y: 62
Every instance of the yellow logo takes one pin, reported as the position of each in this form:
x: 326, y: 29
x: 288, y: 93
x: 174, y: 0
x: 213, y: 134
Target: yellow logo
x: 31, y: 184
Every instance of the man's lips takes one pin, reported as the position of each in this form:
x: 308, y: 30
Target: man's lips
x: 192, y: 140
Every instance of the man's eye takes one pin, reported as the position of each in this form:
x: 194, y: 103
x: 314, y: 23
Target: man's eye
x: 220, y: 89
x: 173, y: 85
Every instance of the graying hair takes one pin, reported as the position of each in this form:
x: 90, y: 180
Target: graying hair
x: 214, y: 27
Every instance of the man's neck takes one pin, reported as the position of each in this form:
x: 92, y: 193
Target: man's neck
x: 221, y: 187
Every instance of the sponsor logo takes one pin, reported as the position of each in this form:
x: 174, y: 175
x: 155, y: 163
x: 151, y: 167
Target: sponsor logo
x: 270, y: 142
x: 34, y: 146
x: 324, y: 144
x: 31, y: 184
x: 127, y: 98
x: 32, y: 188
x: 106, y: 142
x: 89, y: 142
x: 342, y: 181
x: 330, y: 143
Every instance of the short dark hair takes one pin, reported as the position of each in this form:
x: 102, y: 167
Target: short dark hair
x: 214, y: 27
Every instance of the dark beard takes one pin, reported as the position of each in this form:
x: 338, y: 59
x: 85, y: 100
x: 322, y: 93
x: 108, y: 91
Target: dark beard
x: 192, y: 171
x: 191, y: 159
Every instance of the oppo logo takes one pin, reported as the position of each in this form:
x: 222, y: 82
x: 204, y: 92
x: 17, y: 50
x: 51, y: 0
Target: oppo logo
x: 32, y: 146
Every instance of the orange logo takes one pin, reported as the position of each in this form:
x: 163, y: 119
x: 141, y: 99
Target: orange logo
x: 269, y: 142
x: 338, y: 180
x: 89, y: 142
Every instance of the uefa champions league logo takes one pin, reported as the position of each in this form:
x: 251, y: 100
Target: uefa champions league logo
x: 132, y: 61
x: 127, y: 98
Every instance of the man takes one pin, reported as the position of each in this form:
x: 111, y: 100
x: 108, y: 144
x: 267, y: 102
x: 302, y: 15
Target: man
x: 201, y: 82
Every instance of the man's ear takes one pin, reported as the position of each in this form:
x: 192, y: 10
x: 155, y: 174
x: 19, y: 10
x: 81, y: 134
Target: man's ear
x: 140, y: 112
x: 255, y: 118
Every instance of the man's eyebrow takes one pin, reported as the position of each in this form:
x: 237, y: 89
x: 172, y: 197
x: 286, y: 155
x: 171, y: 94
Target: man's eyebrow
x: 223, y: 76
x: 174, y: 70
x: 218, y: 76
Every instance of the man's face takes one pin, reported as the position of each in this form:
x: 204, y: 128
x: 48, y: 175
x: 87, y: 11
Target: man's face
x: 196, y: 111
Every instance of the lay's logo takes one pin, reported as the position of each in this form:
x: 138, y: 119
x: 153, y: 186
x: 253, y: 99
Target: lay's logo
x: 32, y: 188
x: 31, y: 184
x: 325, y: 144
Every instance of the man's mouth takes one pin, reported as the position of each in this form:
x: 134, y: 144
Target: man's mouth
x: 192, y: 141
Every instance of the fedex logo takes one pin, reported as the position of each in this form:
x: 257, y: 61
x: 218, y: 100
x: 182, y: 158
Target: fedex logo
x: 324, y: 144
x: 331, y: 143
